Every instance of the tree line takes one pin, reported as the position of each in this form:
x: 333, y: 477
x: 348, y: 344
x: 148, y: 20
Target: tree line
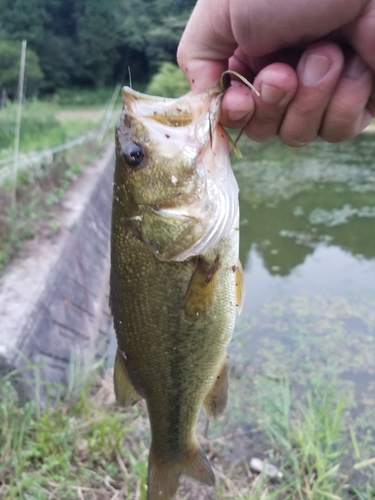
x: 87, y: 43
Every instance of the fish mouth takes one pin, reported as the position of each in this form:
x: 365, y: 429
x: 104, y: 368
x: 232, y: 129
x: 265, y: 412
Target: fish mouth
x: 167, y: 111
x: 134, y: 95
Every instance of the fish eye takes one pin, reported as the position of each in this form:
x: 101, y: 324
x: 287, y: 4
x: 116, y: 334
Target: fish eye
x: 133, y: 154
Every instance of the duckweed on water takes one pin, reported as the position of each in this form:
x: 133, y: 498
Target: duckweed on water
x: 339, y: 216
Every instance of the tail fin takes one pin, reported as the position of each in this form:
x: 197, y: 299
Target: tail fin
x: 163, y: 475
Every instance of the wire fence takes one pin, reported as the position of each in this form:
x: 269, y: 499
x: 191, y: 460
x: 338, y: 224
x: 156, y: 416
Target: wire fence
x: 38, y: 162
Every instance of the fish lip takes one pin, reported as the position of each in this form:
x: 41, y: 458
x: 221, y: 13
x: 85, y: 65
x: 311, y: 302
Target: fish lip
x: 131, y: 98
x: 129, y: 92
x: 138, y: 96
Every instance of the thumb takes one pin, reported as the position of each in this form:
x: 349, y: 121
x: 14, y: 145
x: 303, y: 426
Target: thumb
x: 206, y: 44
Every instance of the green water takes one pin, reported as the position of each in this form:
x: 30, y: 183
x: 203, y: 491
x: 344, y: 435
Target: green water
x: 308, y: 252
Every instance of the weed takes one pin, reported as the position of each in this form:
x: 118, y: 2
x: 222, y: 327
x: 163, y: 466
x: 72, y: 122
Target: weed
x: 73, y: 448
x: 311, y: 443
x: 37, y: 201
x: 40, y: 128
x: 86, y: 447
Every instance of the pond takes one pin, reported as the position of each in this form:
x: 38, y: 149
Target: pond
x: 308, y: 253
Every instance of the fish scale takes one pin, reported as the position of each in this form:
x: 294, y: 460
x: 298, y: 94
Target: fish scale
x: 174, y: 309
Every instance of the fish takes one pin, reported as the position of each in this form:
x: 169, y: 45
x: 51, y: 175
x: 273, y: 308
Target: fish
x: 176, y: 282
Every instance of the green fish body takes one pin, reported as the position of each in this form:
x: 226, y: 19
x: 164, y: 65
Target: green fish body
x: 176, y: 281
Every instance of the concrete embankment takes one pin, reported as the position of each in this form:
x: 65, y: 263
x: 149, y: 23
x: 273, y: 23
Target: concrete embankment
x: 54, y: 313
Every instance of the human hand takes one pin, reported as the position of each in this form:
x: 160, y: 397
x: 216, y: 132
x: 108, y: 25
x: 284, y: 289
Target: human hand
x: 312, y: 62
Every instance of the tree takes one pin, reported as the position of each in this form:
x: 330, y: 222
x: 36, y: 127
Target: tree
x: 98, y: 35
x: 10, y: 53
x: 25, y: 20
x: 91, y: 42
x: 163, y: 40
x: 151, y: 31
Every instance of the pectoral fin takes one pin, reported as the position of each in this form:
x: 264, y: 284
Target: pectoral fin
x: 169, y: 233
x: 126, y: 395
x: 216, y: 399
x: 201, y: 289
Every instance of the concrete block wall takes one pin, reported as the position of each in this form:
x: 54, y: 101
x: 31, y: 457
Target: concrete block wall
x: 62, y: 316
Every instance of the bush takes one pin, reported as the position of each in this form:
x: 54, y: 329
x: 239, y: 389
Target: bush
x: 37, y: 119
x: 10, y: 55
x: 75, y: 97
x: 169, y: 81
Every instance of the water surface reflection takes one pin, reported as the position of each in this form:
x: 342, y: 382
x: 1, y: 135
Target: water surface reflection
x: 308, y: 252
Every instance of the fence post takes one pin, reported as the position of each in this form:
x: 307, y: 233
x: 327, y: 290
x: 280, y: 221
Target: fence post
x: 18, y: 125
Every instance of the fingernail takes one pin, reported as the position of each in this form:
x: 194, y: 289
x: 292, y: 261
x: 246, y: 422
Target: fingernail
x: 316, y: 67
x: 355, y: 68
x: 271, y: 95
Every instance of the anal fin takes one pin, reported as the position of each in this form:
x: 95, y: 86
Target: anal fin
x: 216, y: 399
x: 126, y: 395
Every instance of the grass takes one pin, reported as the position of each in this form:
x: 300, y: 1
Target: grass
x: 86, y: 447
x: 77, y: 448
x: 312, y: 445
x: 40, y: 127
x: 38, y: 199
x: 83, y: 98
x: 39, y: 188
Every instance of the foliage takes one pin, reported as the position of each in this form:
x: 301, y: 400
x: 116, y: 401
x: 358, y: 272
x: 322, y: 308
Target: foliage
x: 35, y: 213
x: 91, y: 43
x: 40, y: 127
x: 67, y: 450
x: 37, y: 119
x: 86, y: 447
x: 163, y: 40
x: 25, y: 19
x: 169, y: 81
x: 41, y: 184
x: 310, y: 439
x: 84, y: 97
x: 10, y: 53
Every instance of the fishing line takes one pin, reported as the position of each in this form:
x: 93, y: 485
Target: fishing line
x: 130, y: 77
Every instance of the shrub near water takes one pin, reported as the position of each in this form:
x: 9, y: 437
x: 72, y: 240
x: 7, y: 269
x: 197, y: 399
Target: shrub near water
x: 169, y: 81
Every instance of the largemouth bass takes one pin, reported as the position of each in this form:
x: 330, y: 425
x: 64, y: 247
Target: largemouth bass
x: 176, y: 280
